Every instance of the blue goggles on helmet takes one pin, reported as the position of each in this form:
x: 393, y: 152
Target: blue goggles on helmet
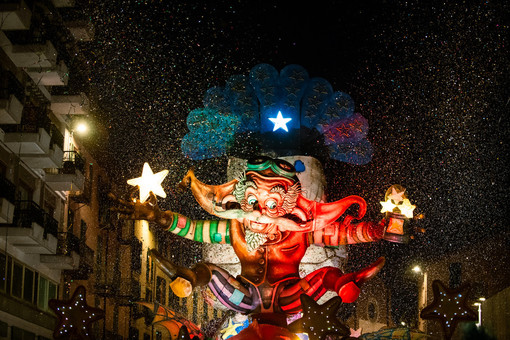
x: 278, y: 166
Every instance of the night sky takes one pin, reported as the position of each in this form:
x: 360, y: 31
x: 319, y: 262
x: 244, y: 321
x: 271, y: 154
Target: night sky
x: 430, y: 77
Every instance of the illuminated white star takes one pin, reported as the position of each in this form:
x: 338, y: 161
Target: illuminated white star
x: 280, y: 122
x: 406, y: 208
x: 387, y: 206
x: 397, y: 197
x: 149, y: 182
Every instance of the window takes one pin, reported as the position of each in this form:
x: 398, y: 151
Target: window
x: 3, y: 329
x: 25, y: 192
x: 42, y: 301
x: 455, y: 274
x: 161, y: 290
x: 148, y: 295
x: 3, y: 270
x: 195, y: 307
x: 83, y: 231
x: 133, y: 333
x: 24, y: 283
x: 371, y: 311
x: 17, y: 280
x: 21, y: 334
x: 28, y: 285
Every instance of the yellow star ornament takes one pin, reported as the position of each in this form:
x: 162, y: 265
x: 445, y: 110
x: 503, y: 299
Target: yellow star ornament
x: 406, y: 208
x: 148, y: 182
x: 387, y: 206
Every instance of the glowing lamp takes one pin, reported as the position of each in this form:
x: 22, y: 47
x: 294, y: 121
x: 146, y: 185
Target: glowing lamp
x: 280, y: 122
x: 398, y: 209
x: 417, y: 269
x: 81, y: 128
x: 148, y: 182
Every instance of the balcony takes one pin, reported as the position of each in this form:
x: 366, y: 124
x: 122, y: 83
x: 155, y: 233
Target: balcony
x: 52, y: 159
x: 28, y: 51
x: 124, y: 290
x: 82, y: 30
x: 38, y: 142
x: 63, y: 3
x: 15, y: 15
x: 7, y: 194
x: 49, y: 76
x: 32, y: 136
x: 82, y: 196
x: 33, y: 231
x: 70, y: 176
x: 85, y: 267
x: 129, y: 291
x: 10, y: 110
x: 63, y: 105
x: 68, y: 253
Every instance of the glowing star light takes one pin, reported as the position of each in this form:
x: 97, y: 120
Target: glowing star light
x: 406, y: 208
x: 396, y: 196
x: 387, y: 206
x: 280, y: 122
x: 149, y: 182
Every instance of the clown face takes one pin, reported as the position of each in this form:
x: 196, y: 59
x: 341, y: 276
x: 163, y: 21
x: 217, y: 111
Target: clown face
x: 265, y: 197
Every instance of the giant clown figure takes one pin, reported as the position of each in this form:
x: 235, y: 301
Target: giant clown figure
x: 269, y: 224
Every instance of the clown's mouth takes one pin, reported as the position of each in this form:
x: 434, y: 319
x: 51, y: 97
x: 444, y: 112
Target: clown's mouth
x: 259, y: 227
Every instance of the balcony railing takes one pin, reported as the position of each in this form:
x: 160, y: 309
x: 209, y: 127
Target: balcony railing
x: 73, y: 161
x: 7, y: 189
x: 56, y: 137
x: 129, y: 291
x: 68, y: 242
x: 32, y: 119
x: 28, y: 212
x: 86, y: 259
x: 125, y: 291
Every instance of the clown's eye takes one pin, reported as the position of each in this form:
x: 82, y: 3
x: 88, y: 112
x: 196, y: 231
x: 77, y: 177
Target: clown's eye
x: 251, y: 200
x: 271, y: 204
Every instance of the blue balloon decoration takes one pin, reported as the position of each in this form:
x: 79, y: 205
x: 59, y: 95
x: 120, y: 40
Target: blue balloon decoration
x: 246, y: 104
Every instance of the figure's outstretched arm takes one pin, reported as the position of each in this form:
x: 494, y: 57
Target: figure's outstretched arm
x: 212, y: 231
x: 345, y: 232
x: 207, y: 231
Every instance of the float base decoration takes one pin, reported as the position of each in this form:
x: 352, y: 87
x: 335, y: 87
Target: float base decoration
x: 173, y: 322
x: 269, y: 213
x: 394, y: 333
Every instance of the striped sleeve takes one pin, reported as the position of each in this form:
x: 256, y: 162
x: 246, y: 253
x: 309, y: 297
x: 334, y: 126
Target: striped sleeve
x: 207, y: 231
x: 339, y: 234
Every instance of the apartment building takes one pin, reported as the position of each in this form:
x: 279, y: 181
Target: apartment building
x: 55, y: 228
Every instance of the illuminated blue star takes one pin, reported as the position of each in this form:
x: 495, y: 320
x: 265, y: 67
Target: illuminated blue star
x: 280, y: 122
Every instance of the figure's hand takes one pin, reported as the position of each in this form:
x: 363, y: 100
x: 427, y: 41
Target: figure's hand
x: 135, y: 210
x: 181, y: 287
x: 397, y: 230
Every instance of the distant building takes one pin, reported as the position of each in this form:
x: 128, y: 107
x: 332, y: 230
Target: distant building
x: 56, y: 232
x: 484, y: 266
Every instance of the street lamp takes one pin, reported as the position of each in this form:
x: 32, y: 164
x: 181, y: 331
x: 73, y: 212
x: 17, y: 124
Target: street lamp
x: 422, y: 297
x: 479, y: 304
x: 81, y: 128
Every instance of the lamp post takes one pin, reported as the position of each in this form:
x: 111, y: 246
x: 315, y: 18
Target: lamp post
x: 422, y: 297
x: 479, y: 304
